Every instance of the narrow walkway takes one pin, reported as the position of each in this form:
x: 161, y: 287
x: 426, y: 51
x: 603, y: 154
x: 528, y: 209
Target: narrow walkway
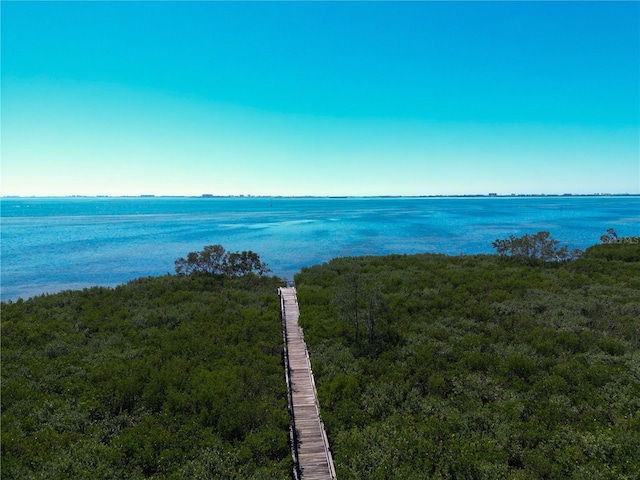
x: 310, y: 447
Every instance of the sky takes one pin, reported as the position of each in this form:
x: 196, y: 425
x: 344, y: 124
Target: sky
x: 319, y: 98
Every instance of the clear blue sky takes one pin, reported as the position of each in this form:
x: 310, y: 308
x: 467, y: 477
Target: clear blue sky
x: 310, y: 98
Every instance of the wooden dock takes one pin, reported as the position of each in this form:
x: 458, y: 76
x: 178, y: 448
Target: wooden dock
x: 310, y: 446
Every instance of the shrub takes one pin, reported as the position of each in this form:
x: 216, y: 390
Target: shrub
x: 534, y: 248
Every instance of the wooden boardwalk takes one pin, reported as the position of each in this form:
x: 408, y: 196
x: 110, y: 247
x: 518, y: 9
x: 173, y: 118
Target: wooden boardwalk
x: 310, y: 447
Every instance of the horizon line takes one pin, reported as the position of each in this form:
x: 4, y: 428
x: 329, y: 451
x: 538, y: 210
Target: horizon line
x: 246, y: 196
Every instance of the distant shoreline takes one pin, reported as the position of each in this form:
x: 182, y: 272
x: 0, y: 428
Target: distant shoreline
x: 211, y: 196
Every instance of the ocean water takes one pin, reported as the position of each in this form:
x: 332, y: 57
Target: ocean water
x: 53, y: 244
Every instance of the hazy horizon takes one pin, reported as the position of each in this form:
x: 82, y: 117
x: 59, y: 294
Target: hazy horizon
x: 249, y: 195
x: 320, y: 98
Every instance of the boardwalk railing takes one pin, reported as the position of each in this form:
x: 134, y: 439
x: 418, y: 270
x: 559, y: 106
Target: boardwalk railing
x: 309, y: 444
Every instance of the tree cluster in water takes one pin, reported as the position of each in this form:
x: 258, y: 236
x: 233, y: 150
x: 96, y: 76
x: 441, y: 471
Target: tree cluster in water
x: 215, y: 260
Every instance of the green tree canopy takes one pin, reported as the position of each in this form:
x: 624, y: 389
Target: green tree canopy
x: 173, y: 377
x: 215, y: 260
x: 533, y: 248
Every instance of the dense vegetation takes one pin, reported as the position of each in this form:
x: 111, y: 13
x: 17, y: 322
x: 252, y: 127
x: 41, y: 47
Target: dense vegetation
x: 478, y: 367
x: 169, y: 377
x: 427, y: 366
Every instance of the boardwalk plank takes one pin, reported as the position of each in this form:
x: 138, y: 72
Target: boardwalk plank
x: 312, y: 450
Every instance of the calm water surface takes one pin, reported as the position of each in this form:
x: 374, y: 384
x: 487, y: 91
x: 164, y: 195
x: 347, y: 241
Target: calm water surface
x: 50, y: 245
